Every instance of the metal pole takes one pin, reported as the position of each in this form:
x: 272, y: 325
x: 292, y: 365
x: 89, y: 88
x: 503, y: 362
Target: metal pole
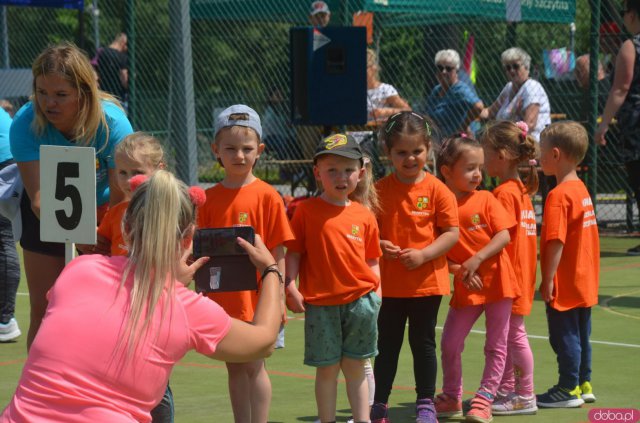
x: 592, y: 181
x: 5, y: 38
x: 183, y: 118
x: 131, y: 44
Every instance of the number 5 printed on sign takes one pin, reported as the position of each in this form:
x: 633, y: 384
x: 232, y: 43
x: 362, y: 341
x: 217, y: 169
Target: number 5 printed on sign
x: 68, y: 196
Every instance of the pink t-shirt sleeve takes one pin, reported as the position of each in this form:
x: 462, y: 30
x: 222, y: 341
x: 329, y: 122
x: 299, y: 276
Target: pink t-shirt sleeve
x: 207, y: 322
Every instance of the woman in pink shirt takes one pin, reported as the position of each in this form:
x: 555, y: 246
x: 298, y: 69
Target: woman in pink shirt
x: 115, y: 326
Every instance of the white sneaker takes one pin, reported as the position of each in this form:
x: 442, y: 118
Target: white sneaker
x: 9, y: 331
x: 513, y: 405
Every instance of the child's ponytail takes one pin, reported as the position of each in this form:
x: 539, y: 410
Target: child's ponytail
x: 366, y: 192
x: 514, y: 140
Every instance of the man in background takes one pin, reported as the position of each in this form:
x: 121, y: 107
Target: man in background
x: 113, y: 68
x: 319, y: 14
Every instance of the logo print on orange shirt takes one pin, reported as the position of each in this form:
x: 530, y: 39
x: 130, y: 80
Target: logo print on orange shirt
x: 243, y: 217
x: 355, y: 229
x: 422, y: 203
x: 335, y: 141
x: 475, y: 219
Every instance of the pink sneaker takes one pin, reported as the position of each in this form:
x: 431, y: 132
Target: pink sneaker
x: 447, y: 406
x: 480, y: 411
x: 514, y: 404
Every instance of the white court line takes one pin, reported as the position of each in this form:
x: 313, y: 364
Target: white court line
x: 482, y: 332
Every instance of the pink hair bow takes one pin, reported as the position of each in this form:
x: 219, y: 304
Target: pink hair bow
x: 523, y: 127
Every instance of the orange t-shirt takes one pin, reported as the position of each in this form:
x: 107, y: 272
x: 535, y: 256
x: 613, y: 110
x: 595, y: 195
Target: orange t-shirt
x: 522, y: 249
x: 334, y: 243
x: 411, y: 217
x: 481, y: 217
x: 257, y: 204
x: 570, y: 218
x: 111, y: 228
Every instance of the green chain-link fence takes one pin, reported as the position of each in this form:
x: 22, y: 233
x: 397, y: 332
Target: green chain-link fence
x: 240, y: 54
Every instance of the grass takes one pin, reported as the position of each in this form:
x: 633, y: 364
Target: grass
x: 200, y: 388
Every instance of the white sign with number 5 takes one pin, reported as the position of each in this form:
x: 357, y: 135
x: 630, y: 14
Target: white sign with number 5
x: 68, y: 194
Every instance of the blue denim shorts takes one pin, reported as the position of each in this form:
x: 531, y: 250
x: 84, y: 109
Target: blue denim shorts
x: 347, y: 330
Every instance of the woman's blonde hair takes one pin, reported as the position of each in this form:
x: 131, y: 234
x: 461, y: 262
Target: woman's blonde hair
x: 366, y: 192
x: 142, y: 146
x: 73, y: 65
x: 517, y: 145
x: 159, y: 217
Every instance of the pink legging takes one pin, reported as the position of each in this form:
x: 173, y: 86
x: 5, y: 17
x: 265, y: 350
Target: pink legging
x: 518, y: 370
x: 457, y: 327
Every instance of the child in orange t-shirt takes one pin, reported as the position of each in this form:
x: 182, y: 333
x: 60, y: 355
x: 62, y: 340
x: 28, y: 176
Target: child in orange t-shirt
x: 137, y: 154
x: 483, y: 280
x: 418, y: 221
x: 506, y: 145
x: 336, y: 252
x: 570, y: 264
x: 241, y: 199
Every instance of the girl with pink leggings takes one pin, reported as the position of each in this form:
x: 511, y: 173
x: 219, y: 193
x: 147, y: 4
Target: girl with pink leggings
x: 506, y: 145
x: 483, y: 277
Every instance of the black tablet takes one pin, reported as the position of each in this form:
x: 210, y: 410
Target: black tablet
x: 229, y: 267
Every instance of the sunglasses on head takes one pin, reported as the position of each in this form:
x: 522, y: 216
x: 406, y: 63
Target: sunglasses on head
x: 443, y: 68
x: 513, y: 66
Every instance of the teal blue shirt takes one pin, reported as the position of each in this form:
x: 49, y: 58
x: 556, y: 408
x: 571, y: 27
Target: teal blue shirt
x: 25, y: 144
x: 449, y: 111
x: 5, y: 124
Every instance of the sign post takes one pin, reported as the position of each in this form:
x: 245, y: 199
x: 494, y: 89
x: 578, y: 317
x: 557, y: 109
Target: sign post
x: 68, y: 196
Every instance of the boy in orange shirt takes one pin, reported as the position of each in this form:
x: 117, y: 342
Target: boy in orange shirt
x: 570, y: 263
x: 336, y: 252
x: 241, y: 199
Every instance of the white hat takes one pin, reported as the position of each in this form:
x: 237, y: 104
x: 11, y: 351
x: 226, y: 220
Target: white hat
x: 319, y: 7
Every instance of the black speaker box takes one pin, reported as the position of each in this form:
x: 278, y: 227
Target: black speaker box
x: 328, y: 75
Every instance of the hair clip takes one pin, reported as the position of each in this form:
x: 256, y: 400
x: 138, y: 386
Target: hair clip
x: 533, y: 162
x: 366, y: 160
x: 445, y: 144
x: 463, y: 135
x: 389, y: 125
x: 136, y: 181
x: 523, y: 127
x: 197, y: 195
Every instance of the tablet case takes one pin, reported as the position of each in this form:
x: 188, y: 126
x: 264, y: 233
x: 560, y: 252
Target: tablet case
x: 228, y: 269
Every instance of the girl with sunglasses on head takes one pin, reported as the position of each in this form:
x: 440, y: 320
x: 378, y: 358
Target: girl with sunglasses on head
x: 523, y: 98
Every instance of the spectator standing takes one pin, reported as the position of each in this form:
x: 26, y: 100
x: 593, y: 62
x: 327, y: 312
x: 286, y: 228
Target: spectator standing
x: 113, y: 68
x: 624, y: 102
x: 9, y: 262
